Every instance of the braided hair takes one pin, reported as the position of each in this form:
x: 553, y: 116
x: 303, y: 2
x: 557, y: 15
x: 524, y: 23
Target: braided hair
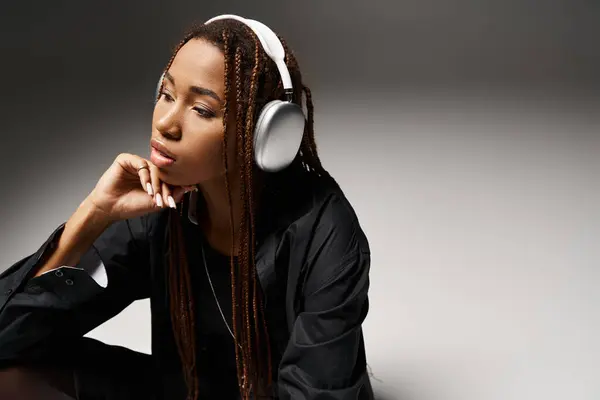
x: 251, y: 80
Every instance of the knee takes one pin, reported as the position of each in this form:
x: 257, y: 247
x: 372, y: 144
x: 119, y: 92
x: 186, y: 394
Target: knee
x: 15, y: 382
x: 27, y: 383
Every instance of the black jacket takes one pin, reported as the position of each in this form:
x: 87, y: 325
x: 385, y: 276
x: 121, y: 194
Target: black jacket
x: 312, y: 261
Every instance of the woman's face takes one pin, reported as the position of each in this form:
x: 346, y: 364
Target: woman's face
x: 188, y: 117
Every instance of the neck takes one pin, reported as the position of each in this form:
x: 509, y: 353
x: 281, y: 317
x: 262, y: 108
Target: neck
x: 214, y: 216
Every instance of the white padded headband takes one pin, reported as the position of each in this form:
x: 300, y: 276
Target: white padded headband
x: 270, y: 43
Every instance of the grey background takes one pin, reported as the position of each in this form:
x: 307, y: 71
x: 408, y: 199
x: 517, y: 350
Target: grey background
x: 465, y: 133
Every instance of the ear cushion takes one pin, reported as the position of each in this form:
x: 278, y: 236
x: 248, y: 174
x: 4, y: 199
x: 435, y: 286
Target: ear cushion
x: 262, y: 121
x: 278, y: 135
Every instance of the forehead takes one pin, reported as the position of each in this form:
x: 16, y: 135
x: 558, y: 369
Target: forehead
x: 199, y: 63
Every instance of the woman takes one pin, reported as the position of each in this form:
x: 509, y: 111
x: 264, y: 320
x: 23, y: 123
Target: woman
x: 257, y: 273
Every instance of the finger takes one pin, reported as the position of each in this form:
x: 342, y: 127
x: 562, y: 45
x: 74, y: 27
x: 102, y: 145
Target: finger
x: 144, y: 174
x: 156, y: 185
x: 136, y: 166
x: 130, y: 162
x: 167, y: 197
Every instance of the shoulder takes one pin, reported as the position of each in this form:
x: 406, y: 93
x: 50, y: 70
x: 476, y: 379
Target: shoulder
x: 315, y: 210
x: 334, y: 222
x: 326, y: 230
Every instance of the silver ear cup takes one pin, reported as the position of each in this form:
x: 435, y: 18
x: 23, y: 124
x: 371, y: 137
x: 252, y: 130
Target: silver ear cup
x: 278, y: 135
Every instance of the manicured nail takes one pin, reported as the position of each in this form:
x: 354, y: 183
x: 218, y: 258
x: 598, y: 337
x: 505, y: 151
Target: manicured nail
x: 149, y: 188
x: 171, y: 202
x: 158, y: 200
x: 191, y: 188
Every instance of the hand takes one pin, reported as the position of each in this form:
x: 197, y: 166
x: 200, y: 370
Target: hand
x: 126, y: 191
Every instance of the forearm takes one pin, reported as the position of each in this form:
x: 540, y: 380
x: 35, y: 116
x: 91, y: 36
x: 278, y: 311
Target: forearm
x: 36, y: 314
x: 81, y: 230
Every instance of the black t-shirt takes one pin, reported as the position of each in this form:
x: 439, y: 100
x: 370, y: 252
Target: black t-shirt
x: 215, y: 345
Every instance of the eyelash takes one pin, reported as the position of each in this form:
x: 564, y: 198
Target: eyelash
x: 200, y: 111
x: 204, y: 113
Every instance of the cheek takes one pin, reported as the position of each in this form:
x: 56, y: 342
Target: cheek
x: 203, y: 149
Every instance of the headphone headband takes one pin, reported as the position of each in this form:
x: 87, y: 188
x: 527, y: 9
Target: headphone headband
x: 270, y: 43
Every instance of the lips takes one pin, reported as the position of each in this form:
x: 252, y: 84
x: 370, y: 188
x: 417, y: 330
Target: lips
x: 162, y: 149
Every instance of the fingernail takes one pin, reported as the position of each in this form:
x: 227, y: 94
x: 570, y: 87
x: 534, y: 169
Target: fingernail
x: 171, y: 201
x: 149, y: 188
x: 158, y: 200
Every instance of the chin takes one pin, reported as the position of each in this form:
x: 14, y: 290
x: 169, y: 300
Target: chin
x: 174, y: 178
x: 171, y: 178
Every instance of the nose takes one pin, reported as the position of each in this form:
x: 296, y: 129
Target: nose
x: 168, y: 124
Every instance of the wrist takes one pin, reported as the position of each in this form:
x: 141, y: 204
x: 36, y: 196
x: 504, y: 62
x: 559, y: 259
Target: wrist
x: 81, y: 230
x: 92, y: 217
x: 94, y: 213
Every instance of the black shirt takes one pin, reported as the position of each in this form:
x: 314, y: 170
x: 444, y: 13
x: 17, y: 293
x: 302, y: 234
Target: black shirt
x: 217, y: 368
x: 312, y: 262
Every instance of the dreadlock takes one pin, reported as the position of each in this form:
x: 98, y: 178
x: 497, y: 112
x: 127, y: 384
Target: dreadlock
x: 251, y: 80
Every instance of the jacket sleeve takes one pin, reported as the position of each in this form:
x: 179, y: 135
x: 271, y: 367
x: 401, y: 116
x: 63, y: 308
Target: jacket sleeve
x: 38, y: 312
x: 325, y: 356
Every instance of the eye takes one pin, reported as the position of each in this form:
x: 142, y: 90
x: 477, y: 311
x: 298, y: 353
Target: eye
x: 204, y: 113
x: 166, y: 95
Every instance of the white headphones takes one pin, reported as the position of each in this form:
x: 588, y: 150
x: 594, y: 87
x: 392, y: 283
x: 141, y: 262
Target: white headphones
x: 280, y: 124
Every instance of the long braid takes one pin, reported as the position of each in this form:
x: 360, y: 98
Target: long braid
x: 248, y: 215
x: 310, y: 143
x: 244, y: 235
x: 234, y: 297
x: 240, y: 339
x: 308, y: 149
x: 247, y: 172
x: 182, y: 306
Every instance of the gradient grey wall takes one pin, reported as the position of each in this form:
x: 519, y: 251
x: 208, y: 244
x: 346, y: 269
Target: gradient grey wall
x: 465, y: 133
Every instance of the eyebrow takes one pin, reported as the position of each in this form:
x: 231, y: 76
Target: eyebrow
x: 196, y: 89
